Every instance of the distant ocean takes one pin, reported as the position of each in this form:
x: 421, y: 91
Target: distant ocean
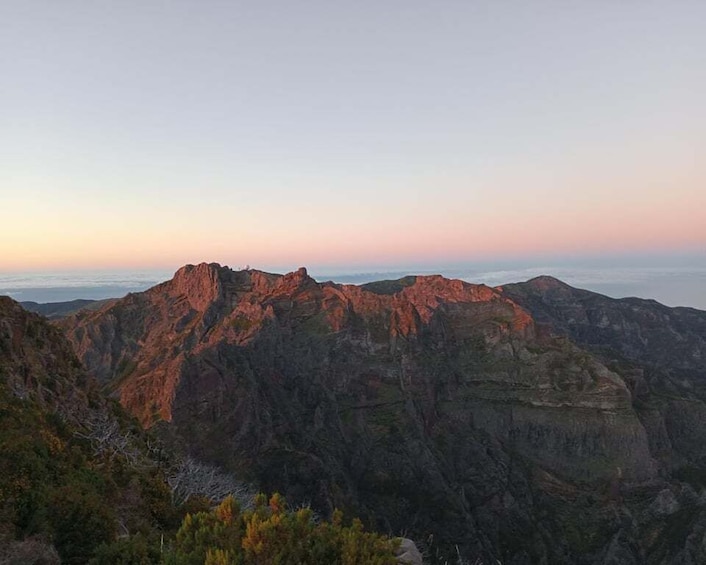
x: 673, y: 286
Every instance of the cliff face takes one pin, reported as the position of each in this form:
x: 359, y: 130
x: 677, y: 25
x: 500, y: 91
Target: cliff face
x: 425, y: 404
x: 660, y: 351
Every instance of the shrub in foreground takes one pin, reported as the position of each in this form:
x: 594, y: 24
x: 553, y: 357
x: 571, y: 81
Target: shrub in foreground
x: 269, y: 534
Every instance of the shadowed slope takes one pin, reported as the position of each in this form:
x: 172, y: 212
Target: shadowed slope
x: 427, y: 404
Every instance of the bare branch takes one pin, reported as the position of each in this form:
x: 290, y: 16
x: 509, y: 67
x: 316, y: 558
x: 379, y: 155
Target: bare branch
x: 191, y: 478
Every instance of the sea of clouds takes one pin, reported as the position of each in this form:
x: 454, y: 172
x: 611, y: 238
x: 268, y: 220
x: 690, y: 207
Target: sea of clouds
x: 64, y: 286
x: 673, y: 286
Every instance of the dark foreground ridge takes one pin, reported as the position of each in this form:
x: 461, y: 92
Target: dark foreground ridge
x: 531, y: 423
x: 75, y: 471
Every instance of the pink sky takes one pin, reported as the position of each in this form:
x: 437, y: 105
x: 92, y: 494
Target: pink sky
x: 332, y: 135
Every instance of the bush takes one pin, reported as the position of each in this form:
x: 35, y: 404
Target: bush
x: 269, y: 534
x: 137, y: 550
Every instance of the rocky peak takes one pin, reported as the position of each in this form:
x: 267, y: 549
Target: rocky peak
x: 201, y: 284
x: 546, y: 285
x: 435, y: 289
x: 546, y: 282
x: 295, y: 281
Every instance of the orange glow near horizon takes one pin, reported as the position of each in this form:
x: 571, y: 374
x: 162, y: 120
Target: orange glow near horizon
x: 478, y: 219
x: 513, y: 237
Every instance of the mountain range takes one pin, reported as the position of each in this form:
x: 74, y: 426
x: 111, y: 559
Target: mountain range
x: 528, y: 423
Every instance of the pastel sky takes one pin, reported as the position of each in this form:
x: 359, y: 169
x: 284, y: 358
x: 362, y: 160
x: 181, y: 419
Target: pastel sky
x: 154, y: 133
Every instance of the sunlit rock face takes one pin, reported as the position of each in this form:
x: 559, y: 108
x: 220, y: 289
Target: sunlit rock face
x: 425, y: 405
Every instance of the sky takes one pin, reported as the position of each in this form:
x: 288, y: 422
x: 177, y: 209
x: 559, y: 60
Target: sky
x: 148, y: 135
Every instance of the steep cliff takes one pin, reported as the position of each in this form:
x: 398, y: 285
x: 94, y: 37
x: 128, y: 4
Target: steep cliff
x: 660, y: 351
x: 427, y: 405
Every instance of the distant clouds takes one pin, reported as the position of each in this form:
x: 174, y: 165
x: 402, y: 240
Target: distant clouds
x: 667, y: 283
x: 671, y: 285
x: 586, y: 276
x: 65, y: 286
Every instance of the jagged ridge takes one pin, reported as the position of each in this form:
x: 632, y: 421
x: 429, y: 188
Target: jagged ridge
x: 428, y: 404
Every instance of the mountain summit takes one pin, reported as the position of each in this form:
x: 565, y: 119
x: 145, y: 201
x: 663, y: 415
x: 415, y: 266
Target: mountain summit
x: 144, y: 343
x: 467, y: 415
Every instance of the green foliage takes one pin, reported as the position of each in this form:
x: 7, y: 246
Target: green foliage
x: 81, y: 521
x: 390, y: 287
x: 124, y: 369
x: 242, y: 323
x: 204, y: 531
x: 89, y: 492
x: 136, y: 550
x: 53, y: 485
x: 269, y: 534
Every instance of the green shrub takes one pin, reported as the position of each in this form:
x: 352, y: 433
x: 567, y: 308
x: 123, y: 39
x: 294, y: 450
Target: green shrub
x: 269, y: 534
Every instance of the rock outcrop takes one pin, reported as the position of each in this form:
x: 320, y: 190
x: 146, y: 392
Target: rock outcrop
x: 408, y: 554
x: 456, y: 412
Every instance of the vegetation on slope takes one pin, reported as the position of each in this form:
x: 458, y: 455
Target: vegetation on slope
x: 81, y: 482
x: 59, y: 485
x: 269, y: 534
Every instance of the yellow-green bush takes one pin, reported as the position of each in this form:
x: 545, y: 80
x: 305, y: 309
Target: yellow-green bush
x: 269, y: 534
